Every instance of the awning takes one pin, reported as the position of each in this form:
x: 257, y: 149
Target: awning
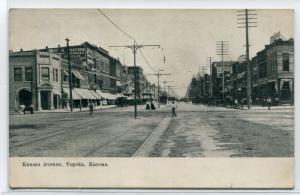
x: 118, y: 83
x: 95, y: 94
x: 77, y: 74
x: 75, y: 96
x: 84, y: 93
x: 109, y: 96
x: 66, y: 73
x: 120, y: 95
x: 240, y: 75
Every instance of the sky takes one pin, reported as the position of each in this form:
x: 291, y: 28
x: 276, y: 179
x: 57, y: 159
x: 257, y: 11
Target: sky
x: 187, y: 37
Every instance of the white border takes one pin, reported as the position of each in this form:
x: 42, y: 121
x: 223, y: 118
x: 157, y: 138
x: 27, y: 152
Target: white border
x: 5, y: 4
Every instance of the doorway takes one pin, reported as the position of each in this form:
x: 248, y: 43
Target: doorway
x: 45, y: 100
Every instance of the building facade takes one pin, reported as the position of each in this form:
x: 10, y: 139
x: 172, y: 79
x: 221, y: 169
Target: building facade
x: 35, y: 79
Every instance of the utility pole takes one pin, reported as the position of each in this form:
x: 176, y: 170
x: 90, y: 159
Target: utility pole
x: 134, y: 49
x: 210, y: 79
x: 248, y: 20
x: 204, y: 80
x: 158, y: 74
x: 165, y: 82
x: 169, y: 87
x: 70, y: 76
x: 222, y: 50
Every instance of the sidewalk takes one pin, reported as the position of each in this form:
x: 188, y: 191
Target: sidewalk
x: 67, y: 111
x: 77, y: 109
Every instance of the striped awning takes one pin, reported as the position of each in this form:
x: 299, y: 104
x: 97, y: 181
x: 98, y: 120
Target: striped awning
x: 95, y: 94
x: 77, y: 74
x: 75, y: 96
x: 85, y: 93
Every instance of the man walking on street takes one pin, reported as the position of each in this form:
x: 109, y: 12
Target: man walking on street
x: 91, y: 108
x: 269, y: 101
x: 174, y: 109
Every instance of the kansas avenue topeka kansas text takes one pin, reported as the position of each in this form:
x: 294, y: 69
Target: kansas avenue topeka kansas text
x: 66, y: 164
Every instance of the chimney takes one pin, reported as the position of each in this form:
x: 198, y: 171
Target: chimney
x: 21, y: 49
x: 46, y: 47
x: 58, y: 46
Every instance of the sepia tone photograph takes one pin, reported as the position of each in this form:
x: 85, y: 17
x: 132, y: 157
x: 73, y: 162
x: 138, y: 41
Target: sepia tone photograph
x: 151, y: 83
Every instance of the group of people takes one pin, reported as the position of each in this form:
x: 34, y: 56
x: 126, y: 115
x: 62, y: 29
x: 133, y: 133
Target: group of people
x: 23, y: 109
x: 150, y: 106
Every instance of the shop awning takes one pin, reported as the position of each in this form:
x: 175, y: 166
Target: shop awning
x: 75, y: 96
x: 95, y: 94
x: 120, y: 95
x: 66, y: 73
x: 240, y: 75
x: 84, y: 93
x: 118, y: 83
x: 109, y: 96
x: 77, y: 74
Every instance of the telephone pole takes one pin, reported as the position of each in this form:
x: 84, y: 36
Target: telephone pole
x: 134, y: 49
x: 70, y: 76
x: 158, y: 74
x: 247, y: 19
x: 165, y: 82
x: 204, y: 80
x: 210, y: 79
x: 222, y: 50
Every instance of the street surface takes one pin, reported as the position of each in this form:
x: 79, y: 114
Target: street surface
x: 197, y: 131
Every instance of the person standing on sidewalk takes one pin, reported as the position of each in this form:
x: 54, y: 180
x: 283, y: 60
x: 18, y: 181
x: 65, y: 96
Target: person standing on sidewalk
x: 269, y: 102
x: 174, y: 106
x: 91, y: 108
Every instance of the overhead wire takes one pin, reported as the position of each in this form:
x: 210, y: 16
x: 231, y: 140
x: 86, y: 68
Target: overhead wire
x: 128, y: 35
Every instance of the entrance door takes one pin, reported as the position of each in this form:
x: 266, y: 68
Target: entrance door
x: 45, y: 100
x: 285, y: 91
x: 25, y: 97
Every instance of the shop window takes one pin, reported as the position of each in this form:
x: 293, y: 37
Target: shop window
x: 45, y: 74
x: 285, y: 62
x: 28, y: 74
x: 18, y: 74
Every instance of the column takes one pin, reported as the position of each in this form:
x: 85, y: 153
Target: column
x: 57, y: 102
x: 51, y: 100
x: 39, y: 100
x: 278, y: 87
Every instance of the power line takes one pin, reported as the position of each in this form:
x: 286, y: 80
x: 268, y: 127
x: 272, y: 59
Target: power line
x: 119, y: 28
x: 129, y: 36
x: 147, y: 61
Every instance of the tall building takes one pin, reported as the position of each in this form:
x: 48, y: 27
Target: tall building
x: 273, y: 70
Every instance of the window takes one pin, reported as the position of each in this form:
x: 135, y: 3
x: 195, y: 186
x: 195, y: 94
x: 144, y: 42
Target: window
x: 56, y: 74
x: 45, y: 74
x: 53, y: 74
x: 18, y: 74
x: 28, y: 74
x: 285, y: 62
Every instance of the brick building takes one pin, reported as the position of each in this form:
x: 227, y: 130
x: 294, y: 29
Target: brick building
x: 34, y: 79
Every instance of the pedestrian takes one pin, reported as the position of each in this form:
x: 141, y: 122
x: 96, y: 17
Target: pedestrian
x: 236, y: 105
x: 31, y: 108
x: 22, y: 109
x: 269, y: 101
x: 91, y: 108
x: 174, y: 106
